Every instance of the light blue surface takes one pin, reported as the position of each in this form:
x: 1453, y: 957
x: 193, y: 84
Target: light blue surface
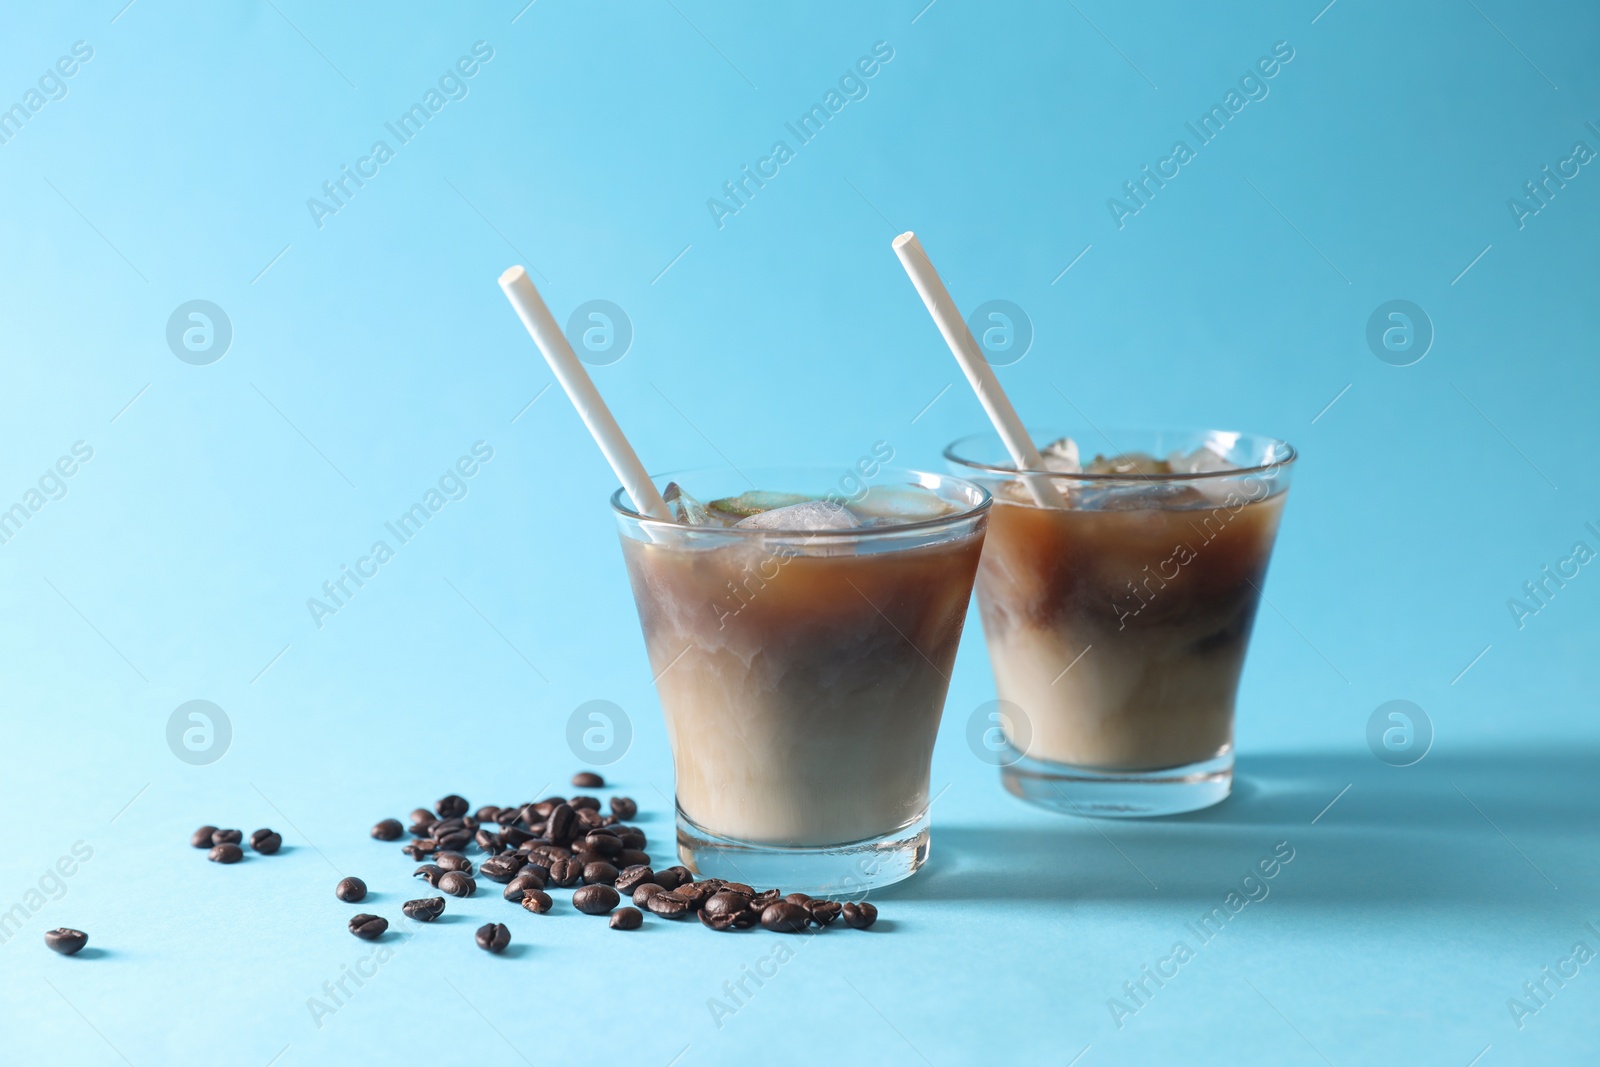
x: 369, y: 353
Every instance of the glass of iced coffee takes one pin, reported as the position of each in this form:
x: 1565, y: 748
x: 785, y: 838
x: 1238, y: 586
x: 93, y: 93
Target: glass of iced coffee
x: 1117, y: 624
x: 801, y: 636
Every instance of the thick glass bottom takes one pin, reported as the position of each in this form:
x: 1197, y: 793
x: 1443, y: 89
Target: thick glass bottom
x: 1131, y: 794
x: 846, y: 871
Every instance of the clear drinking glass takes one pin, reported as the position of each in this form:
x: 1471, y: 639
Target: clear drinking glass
x: 802, y: 676
x: 1117, y: 626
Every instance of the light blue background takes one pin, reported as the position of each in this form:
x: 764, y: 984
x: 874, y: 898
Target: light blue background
x: 370, y: 353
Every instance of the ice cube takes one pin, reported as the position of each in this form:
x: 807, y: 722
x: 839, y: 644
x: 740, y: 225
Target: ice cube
x: 1062, y: 456
x: 685, y: 508
x: 889, y: 505
x: 755, y: 502
x: 1134, y: 464
x: 812, y: 515
x: 1203, y: 460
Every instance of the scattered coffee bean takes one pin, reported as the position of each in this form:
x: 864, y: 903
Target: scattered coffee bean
x: 725, y: 903
x: 421, y: 820
x: 607, y: 845
x: 458, y: 884
x: 595, y: 899
x: 420, y: 849
x: 739, y: 887
x: 823, y: 912
x: 762, y: 899
x: 624, y: 807
x: 488, y: 813
x: 429, y: 873
x: 627, y: 919
x: 388, y: 830
x: 501, y: 868
x: 588, y: 780
x: 488, y: 840
x: 673, y: 877
x: 697, y: 893
x: 519, y: 885
x: 455, y: 842
x: 584, y: 803
x: 266, y: 842
x: 798, y: 898
x: 537, y: 901
x: 513, y: 836
x: 588, y: 819
x: 717, y: 922
x: 543, y: 808
x: 350, y: 890
x: 860, y: 916
x: 225, y: 853
x: 67, y: 941
x: 493, y: 937
x: 599, y: 872
x: 227, y: 837
x: 201, y: 838
x: 565, y: 873
x: 368, y: 927
x: 453, y: 861
x: 561, y: 825
x: 631, y: 878
x: 644, y: 891
x: 450, y: 807
x: 785, y: 917
x: 667, y: 904
x: 425, y: 910
x: 631, y: 837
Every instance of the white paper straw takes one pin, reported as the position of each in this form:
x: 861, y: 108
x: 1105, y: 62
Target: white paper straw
x: 979, y: 374
x: 584, y: 396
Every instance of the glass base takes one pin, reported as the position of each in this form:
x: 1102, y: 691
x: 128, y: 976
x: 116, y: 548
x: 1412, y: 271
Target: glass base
x: 847, y: 872
x: 1111, y: 794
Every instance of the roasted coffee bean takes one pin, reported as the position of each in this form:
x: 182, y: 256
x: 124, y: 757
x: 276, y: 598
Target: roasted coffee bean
x: 537, y: 901
x: 725, y: 903
x: 605, y: 844
x: 513, y: 836
x: 644, y: 891
x: 424, y: 910
x: 823, y: 912
x: 455, y: 842
x: 716, y: 922
x: 860, y: 916
x: 350, y: 890
x: 599, y: 873
x: 458, y: 884
x: 609, y: 820
x: 588, y: 780
x: 768, y: 896
x: 471, y: 823
x: 745, y: 919
x: 561, y: 825
x: 543, y: 808
x: 738, y: 887
x: 798, y: 898
x: 266, y: 842
x: 430, y: 873
x: 595, y: 899
x: 493, y: 937
x: 631, y: 857
x: 227, y: 837
x: 388, y: 830
x: 420, y: 849
x: 627, y: 919
x: 630, y: 837
x: 501, y: 868
x: 201, y: 838
x: 225, y: 853
x: 565, y: 873
x: 67, y: 941
x: 698, y: 893
x: 421, y: 820
x: 450, y: 807
x: 488, y: 813
x: 624, y: 807
x: 588, y: 819
x: 368, y: 927
x: 488, y: 840
x: 667, y: 904
x: 632, y: 877
x: 583, y: 859
x: 584, y: 803
x: 785, y: 917
x: 673, y: 877
x: 453, y: 861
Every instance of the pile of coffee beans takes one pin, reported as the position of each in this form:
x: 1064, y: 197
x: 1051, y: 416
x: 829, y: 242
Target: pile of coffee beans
x: 568, y: 843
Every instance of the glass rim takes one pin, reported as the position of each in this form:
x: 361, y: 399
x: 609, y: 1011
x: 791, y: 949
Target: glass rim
x: 952, y: 455
x: 622, y: 505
